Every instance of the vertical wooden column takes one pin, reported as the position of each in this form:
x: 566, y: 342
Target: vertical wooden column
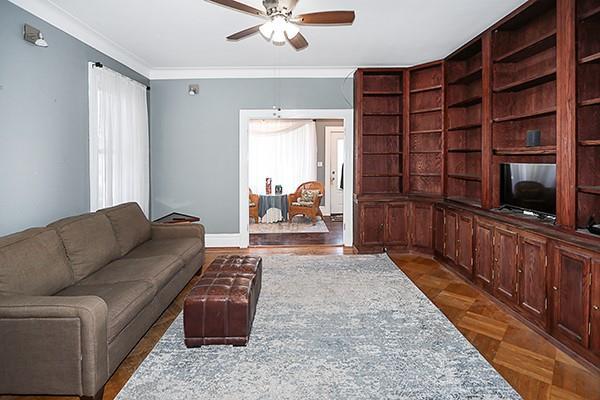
x: 443, y: 142
x: 486, y: 121
x: 358, y: 131
x: 566, y: 114
x: 406, y: 133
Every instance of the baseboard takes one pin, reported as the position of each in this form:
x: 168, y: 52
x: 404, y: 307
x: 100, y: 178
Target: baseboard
x: 222, y: 240
x: 324, y: 212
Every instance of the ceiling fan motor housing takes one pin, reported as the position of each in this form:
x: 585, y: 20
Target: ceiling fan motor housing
x: 274, y: 7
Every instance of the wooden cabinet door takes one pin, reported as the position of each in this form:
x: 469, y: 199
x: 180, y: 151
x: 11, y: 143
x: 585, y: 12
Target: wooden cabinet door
x: 438, y: 218
x: 571, y: 295
x: 532, y: 277
x: 484, y: 255
x: 450, y: 235
x: 396, y: 224
x: 595, y: 309
x: 372, y: 220
x: 505, y: 265
x: 465, y: 243
x: 421, y: 235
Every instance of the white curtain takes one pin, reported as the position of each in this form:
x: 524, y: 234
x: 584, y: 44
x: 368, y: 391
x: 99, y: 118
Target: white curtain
x: 119, y: 140
x: 284, y: 150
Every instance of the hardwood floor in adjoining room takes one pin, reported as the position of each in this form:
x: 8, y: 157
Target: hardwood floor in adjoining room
x: 335, y: 236
x: 532, y: 365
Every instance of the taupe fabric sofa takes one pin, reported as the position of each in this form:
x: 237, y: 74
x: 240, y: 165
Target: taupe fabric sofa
x: 76, y: 296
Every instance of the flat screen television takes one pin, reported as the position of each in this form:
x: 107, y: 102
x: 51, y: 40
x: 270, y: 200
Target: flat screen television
x: 529, y: 187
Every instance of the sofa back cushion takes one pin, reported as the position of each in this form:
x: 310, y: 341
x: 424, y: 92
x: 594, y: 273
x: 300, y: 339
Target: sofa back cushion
x: 33, y: 262
x: 130, y: 225
x: 89, y: 241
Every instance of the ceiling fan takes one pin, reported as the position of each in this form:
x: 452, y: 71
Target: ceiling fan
x: 281, y: 25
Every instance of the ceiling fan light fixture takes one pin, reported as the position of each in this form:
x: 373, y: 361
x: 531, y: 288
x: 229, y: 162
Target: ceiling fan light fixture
x: 291, y: 30
x: 266, y: 29
x: 279, y: 23
x: 279, y: 37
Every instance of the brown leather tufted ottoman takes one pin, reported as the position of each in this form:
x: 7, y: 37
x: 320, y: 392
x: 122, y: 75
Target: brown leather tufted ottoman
x: 220, y: 308
x: 239, y: 264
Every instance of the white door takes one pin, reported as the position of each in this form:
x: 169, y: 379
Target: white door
x: 335, y: 171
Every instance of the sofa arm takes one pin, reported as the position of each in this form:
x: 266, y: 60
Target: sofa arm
x: 177, y: 231
x: 53, y: 345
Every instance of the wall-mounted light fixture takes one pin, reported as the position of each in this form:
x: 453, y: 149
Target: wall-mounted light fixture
x: 34, y: 36
x: 193, y: 90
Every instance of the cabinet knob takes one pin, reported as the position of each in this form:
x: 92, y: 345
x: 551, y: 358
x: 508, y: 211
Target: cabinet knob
x: 554, y: 288
x: 520, y: 271
x: 495, y: 260
x: 596, y: 308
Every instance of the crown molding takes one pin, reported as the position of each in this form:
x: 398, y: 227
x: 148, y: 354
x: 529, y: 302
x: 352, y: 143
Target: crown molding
x: 257, y: 72
x: 56, y: 16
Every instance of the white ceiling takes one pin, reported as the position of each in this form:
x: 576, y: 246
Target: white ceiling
x: 190, y: 34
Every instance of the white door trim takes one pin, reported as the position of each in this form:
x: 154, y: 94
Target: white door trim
x: 328, y: 131
x: 347, y: 115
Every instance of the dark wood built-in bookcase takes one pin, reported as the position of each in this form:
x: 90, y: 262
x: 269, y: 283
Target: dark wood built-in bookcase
x: 524, y: 88
x: 463, y: 124
x: 379, y: 131
x: 429, y: 143
x: 424, y: 126
x: 588, y: 111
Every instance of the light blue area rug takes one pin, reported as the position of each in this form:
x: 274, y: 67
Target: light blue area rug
x: 327, y: 327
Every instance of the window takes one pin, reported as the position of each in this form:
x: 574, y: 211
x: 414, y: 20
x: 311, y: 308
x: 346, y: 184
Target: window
x: 118, y: 140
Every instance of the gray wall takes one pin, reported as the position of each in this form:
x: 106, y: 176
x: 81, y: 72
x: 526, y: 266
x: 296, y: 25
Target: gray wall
x: 195, y: 139
x: 43, y: 122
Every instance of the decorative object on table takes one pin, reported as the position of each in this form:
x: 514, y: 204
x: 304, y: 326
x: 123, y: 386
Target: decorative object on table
x: 593, y: 227
x: 534, y: 138
x: 306, y: 201
x: 278, y: 189
x: 253, y: 205
x: 279, y: 202
x: 268, y: 186
x: 177, y: 218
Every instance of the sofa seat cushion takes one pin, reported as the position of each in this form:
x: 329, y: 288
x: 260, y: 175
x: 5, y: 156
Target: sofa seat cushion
x: 90, y: 242
x: 131, y: 226
x: 185, y: 248
x: 158, y: 271
x: 33, y: 262
x: 125, y: 300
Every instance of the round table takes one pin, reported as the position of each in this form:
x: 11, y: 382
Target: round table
x: 273, y: 208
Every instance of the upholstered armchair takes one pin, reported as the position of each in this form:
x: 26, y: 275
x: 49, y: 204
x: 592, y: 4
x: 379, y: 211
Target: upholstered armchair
x: 306, y: 201
x: 253, y: 205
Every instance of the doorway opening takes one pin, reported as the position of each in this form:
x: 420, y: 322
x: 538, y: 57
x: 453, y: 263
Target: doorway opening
x: 296, y: 177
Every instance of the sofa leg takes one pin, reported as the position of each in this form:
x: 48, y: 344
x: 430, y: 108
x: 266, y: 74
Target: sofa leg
x: 97, y: 396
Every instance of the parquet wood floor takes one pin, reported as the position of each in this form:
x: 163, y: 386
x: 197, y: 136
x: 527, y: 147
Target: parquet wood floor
x: 531, y: 364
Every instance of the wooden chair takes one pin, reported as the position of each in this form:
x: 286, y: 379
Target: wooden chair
x: 309, y: 209
x: 254, y: 198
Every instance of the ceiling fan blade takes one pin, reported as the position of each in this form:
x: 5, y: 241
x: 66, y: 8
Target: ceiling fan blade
x: 245, y: 33
x: 299, y: 41
x: 239, y: 7
x: 326, y: 18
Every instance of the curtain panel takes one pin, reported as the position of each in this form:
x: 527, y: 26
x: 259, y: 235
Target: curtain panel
x: 284, y: 150
x: 118, y: 140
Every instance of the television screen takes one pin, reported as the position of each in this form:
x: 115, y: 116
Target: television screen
x: 529, y: 186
